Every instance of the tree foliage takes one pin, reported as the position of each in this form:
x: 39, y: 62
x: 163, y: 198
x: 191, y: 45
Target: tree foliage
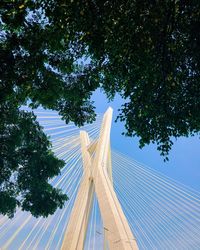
x: 56, y: 53
x: 26, y: 164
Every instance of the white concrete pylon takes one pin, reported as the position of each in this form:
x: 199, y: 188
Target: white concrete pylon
x: 98, y: 178
x: 77, y: 226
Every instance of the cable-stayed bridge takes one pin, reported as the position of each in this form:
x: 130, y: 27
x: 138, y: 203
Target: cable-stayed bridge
x: 115, y: 202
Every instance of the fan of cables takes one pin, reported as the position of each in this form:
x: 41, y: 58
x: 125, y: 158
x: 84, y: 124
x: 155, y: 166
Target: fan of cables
x: 162, y: 213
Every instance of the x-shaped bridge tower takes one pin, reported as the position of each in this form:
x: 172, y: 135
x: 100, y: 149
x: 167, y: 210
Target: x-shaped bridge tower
x: 97, y: 178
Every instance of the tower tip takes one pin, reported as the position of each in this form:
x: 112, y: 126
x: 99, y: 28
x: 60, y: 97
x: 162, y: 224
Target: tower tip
x: 110, y: 108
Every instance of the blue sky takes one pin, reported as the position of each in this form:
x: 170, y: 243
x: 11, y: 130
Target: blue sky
x: 183, y: 167
x: 184, y: 158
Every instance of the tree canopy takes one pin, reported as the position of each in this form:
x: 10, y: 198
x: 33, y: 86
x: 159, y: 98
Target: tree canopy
x: 57, y: 53
x: 26, y: 164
